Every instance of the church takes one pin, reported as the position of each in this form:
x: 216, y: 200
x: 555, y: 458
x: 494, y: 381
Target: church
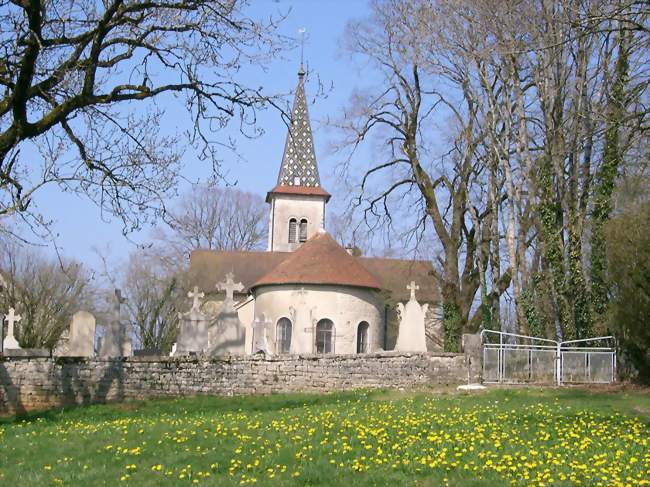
x: 314, y: 295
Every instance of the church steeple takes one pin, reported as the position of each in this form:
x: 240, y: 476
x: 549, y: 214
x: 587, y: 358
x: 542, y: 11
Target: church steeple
x: 298, y: 201
x: 299, y: 166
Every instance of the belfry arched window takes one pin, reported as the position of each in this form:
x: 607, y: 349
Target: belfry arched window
x: 293, y: 227
x: 303, y: 230
x: 362, y: 337
x: 283, y: 335
x: 325, y: 336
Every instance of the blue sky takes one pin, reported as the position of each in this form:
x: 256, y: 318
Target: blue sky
x: 78, y: 224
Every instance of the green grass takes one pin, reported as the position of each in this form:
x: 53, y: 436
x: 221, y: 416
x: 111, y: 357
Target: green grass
x: 521, y: 436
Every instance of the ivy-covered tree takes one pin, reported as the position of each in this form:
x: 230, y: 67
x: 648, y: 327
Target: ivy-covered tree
x: 628, y: 252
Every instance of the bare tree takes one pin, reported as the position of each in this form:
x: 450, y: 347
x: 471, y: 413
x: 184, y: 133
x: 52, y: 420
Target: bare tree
x: 45, y: 292
x: 154, y: 297
x: 436, y: 183
x: 81, y: 81
x: 154, y: 280
x: 215, y: 218
x: 506, y: 126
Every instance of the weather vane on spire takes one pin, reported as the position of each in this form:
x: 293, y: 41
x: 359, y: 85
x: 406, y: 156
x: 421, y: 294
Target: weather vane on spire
x: 302, y: 31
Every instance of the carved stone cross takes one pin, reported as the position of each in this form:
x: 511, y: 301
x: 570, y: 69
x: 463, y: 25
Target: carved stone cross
x: 413, y: 287
x: 230, y: 286
x: 12, y: 318
x: 118, y: 297
x: 260, y: 339
x: 119, y: 301
x: 195, y: 296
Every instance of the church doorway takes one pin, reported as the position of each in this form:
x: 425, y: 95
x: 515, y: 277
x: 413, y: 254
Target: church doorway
x: 324, y: 336
x: 283, y: 335
x: 362, y: 337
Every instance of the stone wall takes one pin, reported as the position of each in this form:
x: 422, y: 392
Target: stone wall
x: 38, y: 383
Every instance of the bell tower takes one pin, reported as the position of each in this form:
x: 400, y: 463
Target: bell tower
x: 298, y: 200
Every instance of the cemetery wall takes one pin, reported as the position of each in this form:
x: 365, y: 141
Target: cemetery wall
x: 28, y: 384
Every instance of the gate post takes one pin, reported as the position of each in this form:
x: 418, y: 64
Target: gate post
x: 558, y: 363
x: 471, y: 345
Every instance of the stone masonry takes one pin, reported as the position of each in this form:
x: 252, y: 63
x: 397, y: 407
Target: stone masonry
x: 28, y: 384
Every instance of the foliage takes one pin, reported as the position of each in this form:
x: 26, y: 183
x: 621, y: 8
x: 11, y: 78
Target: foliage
x: 45, y: 293
x: 525, y: 437
x: 533, y: 316
x: 628, y: 249
x: 607, y: 175
x: 452, y: 325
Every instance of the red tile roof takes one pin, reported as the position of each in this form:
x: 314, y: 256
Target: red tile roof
x: 299, y: 190
x: 208, y: 267
x: 320, y: 260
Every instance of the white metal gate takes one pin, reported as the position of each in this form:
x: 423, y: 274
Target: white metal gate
x: 520, y: 359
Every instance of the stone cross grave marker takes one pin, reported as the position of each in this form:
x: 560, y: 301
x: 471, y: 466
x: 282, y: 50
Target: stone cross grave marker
x: 119, y: 300
x: 411, y: 335
x: 260, y: 339
x: 230, y: 286
x: 193, y: 327
x: 10, y: 341
x: 116, y: 341
x: 227, y: 335
x: 413, y: 287
x: 196, y: 297
x: 82, y: 335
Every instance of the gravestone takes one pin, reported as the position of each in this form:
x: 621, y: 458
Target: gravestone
x: 116, y: 341
x: 193, y: 331
x: 227, y: 334
x: 79, y: 340
x: 411, y: 336
x: 260, y: 335
x: 10, y: 342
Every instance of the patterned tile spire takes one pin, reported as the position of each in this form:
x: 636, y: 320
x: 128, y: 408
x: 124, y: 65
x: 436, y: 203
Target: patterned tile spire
x: 299, y: 160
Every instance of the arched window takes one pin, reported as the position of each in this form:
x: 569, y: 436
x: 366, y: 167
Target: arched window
x: 303, y: 230
x: 283, y: 335
x: 293, y: 223
x: 324, y: 336
x: 362, y: 337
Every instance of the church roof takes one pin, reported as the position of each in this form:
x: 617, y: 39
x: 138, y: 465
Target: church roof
x: 320, y: 260
x: 208, y: 267
x: 396, y: 274
x: 299, y: 168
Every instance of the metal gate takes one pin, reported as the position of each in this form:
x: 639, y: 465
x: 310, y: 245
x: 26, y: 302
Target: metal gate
x: 509, y: 358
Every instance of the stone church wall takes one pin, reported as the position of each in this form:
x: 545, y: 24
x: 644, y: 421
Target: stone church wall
x: 28, y: 384
x: 345, y: 306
